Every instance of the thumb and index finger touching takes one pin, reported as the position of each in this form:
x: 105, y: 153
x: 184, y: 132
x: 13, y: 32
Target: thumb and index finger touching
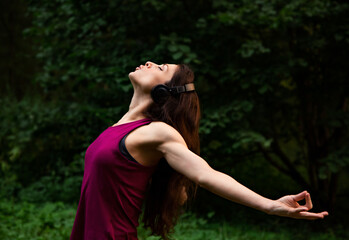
x: 304, y: 195
x: 299, y: 196
x: 308, y: 205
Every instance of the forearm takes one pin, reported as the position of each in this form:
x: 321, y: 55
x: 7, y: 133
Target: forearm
x: 197, y: 169
x: 227, y: 187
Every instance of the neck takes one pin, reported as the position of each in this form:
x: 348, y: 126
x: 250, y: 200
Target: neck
x: 138, y: 105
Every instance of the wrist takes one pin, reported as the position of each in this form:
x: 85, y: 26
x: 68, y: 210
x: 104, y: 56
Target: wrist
x: 268, y: 207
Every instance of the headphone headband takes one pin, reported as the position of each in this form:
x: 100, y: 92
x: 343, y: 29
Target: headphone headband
x: 160, y: 93
x: 181, y: 89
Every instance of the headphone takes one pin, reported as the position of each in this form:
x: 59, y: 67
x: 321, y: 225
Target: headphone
x: 160, y: 93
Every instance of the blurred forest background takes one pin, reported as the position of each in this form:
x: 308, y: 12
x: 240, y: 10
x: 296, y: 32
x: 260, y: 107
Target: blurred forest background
x: 272, y: 77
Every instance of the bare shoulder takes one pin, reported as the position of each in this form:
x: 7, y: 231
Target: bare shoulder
x: 148, y: 143
x: 161, y: 132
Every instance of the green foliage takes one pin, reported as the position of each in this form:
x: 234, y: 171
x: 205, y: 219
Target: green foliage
x: 21, y: 220
x: 44, y: 146
x: 54, y: 220
x: 189, y: 227
x: 334, y: 162
x: 270, y: 76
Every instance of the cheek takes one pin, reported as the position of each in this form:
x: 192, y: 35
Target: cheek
x: 150, y: 80
x: 160, y: 78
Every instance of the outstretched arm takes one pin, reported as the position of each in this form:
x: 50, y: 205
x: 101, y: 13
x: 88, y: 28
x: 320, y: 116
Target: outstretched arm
x: 195, y: 168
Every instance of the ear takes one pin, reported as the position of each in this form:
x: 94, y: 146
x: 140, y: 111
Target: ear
x: 160, y: 93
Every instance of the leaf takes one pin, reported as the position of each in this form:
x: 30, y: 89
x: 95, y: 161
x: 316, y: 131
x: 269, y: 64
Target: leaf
x: 263, y: 89
x: 14, y: 153
x: 184, y: 48
x: 177, y: 55
x: 172, y: 48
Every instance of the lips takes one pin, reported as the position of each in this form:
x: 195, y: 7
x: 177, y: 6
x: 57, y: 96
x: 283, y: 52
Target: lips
x: 139, y: 67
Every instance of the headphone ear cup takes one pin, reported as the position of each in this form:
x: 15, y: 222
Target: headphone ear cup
x: 160, y: 93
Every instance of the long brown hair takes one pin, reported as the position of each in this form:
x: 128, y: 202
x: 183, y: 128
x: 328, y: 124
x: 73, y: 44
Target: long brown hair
x: 163, y: 202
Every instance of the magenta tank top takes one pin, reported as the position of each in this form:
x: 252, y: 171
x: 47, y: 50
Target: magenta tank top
x: 113, y: 189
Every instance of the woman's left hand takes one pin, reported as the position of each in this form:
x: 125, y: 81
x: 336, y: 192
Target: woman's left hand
x: 288, y: 206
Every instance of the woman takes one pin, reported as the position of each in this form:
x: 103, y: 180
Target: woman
x: 151, y: 154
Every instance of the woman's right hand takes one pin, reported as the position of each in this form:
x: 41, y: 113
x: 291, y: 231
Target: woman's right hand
x: 288, y: 206
x: 173, y: 147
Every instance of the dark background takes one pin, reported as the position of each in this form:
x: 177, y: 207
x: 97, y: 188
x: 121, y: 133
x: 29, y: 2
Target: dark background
x: 272, y: 77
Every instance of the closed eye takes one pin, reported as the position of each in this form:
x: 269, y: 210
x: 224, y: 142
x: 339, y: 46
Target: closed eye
x: 160, y: 68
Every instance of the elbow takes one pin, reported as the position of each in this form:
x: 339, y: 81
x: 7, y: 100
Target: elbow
x: 198, y: 180
x: 203, y: 178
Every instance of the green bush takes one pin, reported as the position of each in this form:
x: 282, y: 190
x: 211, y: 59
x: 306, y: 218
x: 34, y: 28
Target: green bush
x: 270, y: 76
x: 43, y: 147
x: 21, y: 220
x: 54, y: 221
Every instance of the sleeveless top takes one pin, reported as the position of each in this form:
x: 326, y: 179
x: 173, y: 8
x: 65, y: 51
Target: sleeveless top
x: 113, y: 189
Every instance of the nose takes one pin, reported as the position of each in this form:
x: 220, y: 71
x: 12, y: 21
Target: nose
x: 149, y: 64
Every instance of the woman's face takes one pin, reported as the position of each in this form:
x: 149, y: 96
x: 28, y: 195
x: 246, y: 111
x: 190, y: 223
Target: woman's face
x: 151, y: 74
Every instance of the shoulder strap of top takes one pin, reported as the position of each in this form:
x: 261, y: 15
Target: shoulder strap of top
x: 124, y: 151
x: 122, y: 146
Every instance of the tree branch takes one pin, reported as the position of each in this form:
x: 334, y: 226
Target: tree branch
x: 292, y: 170
x: 272, y: 161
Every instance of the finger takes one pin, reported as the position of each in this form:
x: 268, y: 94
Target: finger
x: 300, y: 209
x: 311, y: 216
x: 308, y: 202
x: 305, y: 209
x: 325, y: 213
x: 299, y: 196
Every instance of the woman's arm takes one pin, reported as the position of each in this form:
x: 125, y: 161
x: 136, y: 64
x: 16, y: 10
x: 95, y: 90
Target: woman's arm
x: 195, y: 168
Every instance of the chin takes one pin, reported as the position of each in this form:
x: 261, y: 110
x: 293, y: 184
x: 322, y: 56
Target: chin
x: 131, y: 76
